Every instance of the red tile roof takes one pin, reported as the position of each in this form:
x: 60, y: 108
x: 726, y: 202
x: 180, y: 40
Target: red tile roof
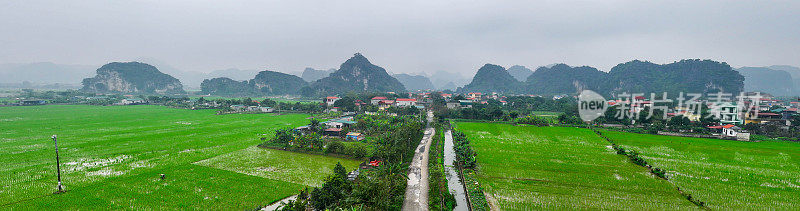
x: 332, y: 98
x: 728, y: 126
x: 406, y: 100
x: 379, y: 98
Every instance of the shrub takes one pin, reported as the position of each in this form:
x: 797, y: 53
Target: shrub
x: 334, y: 147
x: 532, y: 120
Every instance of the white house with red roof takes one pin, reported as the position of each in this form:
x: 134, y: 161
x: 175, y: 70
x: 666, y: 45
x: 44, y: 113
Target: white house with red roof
x: 376, y: 100
x: 384, y: 104
x: 405, y: 102
x: 330, y: 100
x: 475, y: 95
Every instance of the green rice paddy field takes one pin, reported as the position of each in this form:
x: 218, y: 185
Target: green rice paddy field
x: 724, y: 174
x: 555, y: 168
x: 525, y: 168
x: 112, y: 156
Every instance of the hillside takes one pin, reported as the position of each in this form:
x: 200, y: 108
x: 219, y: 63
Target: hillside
x: 276, y: 83
x: 443, y: 80
x: 414, y: 82
x: 563, y: 79
x: 492, y: 78
x: 132, y: 77
x: 356, y: 74
x: 233, y: 73
x: 227, y: 87
x: 688, y: 76
x: 762, y: 79
x: 794, y: 71
x: 311, y: 74
x: 520, y: 73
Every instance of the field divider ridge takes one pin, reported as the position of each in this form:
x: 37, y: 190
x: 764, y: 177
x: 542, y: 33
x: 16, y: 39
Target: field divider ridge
x: 633, y: 156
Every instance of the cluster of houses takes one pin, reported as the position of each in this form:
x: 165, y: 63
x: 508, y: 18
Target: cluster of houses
x: 760, y: 110
x: 384, y: 102
x: 473, y: 98
x: 244, y: 108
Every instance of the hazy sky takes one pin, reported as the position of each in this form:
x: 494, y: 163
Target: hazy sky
x: 401, y: 36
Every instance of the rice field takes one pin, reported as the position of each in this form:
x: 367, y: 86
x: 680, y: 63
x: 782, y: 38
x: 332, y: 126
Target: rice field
x: 724, y: 174
x: 287, y: 166
x: 112, y: 157
x: 529, y: 168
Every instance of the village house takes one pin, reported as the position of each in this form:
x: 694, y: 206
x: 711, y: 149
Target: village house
x: 465, y: 103
x: 238, y: 107
x: 337, y: 132
x: 730, y: 130
x: 354, y: 136
x: 405, y: 102
x: 266, y: 109
x: 384, y: 104
x: 338, y: 123
x: 453, y: 105
x: 330, y: 100
x: 447, y: 96
x: 728, y: 113
x: 377, y: 100
x: 132, y: 101
x: 474, y: 95
x: 32, y: 102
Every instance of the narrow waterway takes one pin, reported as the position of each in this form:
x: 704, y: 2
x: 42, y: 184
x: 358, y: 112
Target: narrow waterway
x: 453, y: 181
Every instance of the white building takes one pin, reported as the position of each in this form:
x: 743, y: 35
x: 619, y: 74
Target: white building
x: 331, y: 100
x: 376, y: 100
x: 405, y: 102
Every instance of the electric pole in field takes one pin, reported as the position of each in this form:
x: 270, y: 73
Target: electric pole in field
x: 58, y: 165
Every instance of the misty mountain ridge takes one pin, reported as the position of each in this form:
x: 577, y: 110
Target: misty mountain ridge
x: 443, y: 80
x: 311, y: 74
x: 414, y: 82
x: 768, y: 80
x: 520, y: 72
x: 44, y: 73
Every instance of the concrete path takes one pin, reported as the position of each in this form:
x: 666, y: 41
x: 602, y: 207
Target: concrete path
x: 453, y: 180
x: 277, y: 205
x: 417, y: 189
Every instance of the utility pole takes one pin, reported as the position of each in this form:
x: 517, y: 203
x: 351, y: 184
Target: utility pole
x: 58, y: 165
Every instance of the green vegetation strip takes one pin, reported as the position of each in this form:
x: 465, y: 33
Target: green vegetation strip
x: 439, y: 197
x: 524, y: 168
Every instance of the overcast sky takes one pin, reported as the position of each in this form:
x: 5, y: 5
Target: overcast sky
x: 401, y: 36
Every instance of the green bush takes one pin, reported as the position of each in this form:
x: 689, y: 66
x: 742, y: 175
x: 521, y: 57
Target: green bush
x: 532, y: 120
